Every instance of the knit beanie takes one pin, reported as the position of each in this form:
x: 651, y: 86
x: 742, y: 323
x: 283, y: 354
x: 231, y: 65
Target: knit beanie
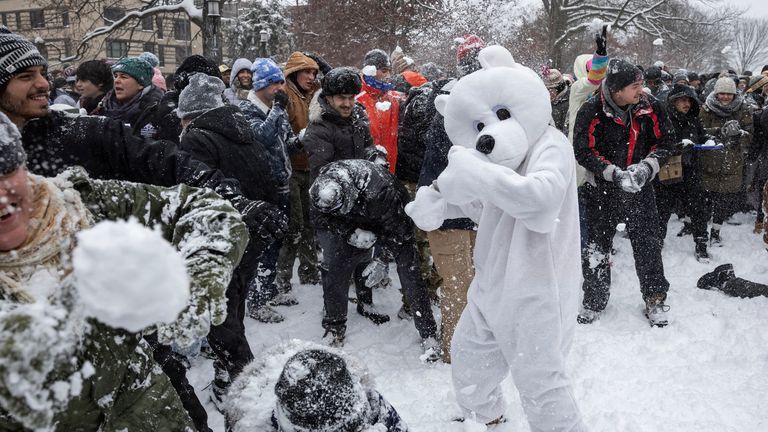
x: 158, y: 80
x: 377, y: 58
x: 724, y: 85
x: 12, y: 154
x: 315, y: 391
x: 150, y: 58
x: 202, y: 94
x: 552, y: 78
x: 680, y: 75
x: 431, y: 71
x: 192, y: 65
x: 621, y: 73
x: 265, y: 73
x: 341, y: 80
x: 139, y: 69
x: 16, y: 54
x: 653, y: 73
x: 693, y: 76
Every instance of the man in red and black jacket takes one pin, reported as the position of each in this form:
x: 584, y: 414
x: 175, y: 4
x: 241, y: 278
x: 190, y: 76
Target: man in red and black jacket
x: 622, y: 136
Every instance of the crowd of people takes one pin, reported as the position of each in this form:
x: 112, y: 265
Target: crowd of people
x: 250, y: 167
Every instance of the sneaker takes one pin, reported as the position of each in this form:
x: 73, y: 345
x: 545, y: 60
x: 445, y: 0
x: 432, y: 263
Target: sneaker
x: 369, y: 311
x: 334, y: 337
x: 265, y: 314
x: 284, y: 299
x: 716, y: 278
x: 686, y: 230
x: 758, y: 228
x: 656, y: 310
x: 432, y: 350
x: 587, y: 316
x: 714, y: 238
x: 404, y: 313
x: 701, y: 253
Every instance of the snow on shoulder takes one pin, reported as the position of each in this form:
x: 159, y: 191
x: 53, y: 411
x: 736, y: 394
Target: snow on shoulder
x: 129, y: 276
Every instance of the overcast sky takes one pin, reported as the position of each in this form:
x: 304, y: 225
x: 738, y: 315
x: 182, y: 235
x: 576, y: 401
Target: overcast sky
x: 756, y: 7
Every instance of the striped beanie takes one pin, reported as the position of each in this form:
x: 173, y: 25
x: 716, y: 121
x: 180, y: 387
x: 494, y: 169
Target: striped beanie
x: 16, y: 54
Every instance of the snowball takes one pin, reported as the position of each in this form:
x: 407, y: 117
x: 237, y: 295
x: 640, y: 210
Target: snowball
x: 383, y: 105
x: 658, y: 42
x: 596, y: 25
x: 369, y: 70
x: 128, y: 276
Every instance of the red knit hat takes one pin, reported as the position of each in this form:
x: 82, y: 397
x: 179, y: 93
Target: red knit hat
x: 469, y: 43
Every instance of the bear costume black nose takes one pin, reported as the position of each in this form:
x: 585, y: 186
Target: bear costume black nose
x: 485, y: 144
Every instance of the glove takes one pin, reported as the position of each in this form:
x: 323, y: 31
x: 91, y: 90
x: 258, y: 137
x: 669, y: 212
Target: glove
x: 324, y: 66
x: 428, y: 209
x: 731, y: 128
x: 601, y: 41
x: 375, y: 272
x: 281, y: 99
x: 623, y: 180
x: 640, y: 173
x: 266, y: 222
x: 362, y: 239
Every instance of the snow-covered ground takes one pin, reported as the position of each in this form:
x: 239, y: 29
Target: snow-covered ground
x: 706, y: 372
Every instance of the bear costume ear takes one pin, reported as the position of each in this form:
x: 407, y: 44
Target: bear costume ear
x: 495, y: 56
x: 440, y: 103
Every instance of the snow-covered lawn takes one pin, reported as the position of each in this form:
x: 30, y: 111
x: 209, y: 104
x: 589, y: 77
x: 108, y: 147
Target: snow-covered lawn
x: 706, y: 372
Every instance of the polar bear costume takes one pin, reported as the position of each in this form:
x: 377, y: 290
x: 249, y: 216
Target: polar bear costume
x: 513, y: 174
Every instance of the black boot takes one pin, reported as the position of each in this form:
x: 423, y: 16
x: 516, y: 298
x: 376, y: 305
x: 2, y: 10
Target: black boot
x: 701, y: 253
x: 716, y: 278
x: 714, y: 237
x: 370, y: 312
x: 686, y: 230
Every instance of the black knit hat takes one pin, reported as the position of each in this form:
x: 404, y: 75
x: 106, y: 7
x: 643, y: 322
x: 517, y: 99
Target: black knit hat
x: 16, y: 54
x: 12, y: 154
x: 97, y: 72
x: 621, y: 73
x: 192, y: 65
x: 342, y: 80
x: 315, y: 391
x: 378, y: 58
x: 653, y: 73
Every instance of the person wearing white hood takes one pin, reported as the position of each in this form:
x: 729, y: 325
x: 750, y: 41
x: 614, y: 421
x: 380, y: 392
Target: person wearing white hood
x: 241, y: 81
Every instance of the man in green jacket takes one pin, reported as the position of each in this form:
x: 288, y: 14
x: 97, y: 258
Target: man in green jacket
x: 60, y: 370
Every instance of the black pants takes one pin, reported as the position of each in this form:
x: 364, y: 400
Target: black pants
x: 722, y: 206
x: 685, y: 198
x: 342, y: 261
x: 607, y: 206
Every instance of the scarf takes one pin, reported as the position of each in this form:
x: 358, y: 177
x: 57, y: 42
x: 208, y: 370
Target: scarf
x: 110, y: 107
x: 614, y: 109
x: 721, y: 110
x: 378, y: 85
x: 57, y: 217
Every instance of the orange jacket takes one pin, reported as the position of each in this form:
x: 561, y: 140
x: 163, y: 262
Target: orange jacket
x: 383, y: 118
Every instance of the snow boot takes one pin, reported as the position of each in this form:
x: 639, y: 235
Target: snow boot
x: 334, y: 336
x: 701, y: 253
x: 265, y: 314
x: 404, y: 313
x: 656, y: 310
x: 284, y: 299
x: 716, y: 278
x: 432, y: 350
x: 714, y: 238
x: 686, y: 230
x: 587, y: 316
x: 219, y: 386
x: 369, y: 311
x: 758, y: 228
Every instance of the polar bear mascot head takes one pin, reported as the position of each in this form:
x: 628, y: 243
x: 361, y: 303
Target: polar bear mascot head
x: 500, y: 110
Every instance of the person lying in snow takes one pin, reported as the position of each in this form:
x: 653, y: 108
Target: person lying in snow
x: 723, y: 279
x: 360, y: 220
x: 85, y: 375
x: 318, y: 389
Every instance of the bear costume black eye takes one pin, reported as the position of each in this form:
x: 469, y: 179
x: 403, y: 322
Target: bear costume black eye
x: 479, y: 126
x: 503, y: 114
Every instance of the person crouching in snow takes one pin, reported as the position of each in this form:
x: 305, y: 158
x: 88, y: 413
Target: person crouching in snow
x: 317, y: 389
x: 360, y: 221
x: 515, y: 176
x: 114, y: 383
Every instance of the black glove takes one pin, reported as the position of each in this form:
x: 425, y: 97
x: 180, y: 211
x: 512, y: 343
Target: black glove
x: 601, y: 40
x: 266, y: 222
x: 281, y: 99
x: 324, y: 66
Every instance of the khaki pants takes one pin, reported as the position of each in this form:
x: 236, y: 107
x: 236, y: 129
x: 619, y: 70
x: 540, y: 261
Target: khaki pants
x: 428, y: 271
x: 452, y: 253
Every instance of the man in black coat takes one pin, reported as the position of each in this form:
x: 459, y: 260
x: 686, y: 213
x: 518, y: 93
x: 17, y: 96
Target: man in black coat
x: 622, y: 137
x: 358, y: 207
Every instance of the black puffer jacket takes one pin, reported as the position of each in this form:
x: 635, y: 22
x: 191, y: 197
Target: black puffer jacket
x: 159, y: 120
x: 415, y: 118
x: 221, y: 138
x: 372, y: 199
x: 329, y: 137
x: 686, y: 126
x: 601, y: 139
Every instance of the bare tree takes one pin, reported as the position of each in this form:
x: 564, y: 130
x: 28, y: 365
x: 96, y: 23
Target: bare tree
x: 750, y: 42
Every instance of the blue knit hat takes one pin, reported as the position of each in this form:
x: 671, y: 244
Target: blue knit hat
x: 265, y: 73
x: 139, y: 69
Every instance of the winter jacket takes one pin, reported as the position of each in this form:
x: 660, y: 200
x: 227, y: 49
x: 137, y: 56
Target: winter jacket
x: 159, y: 120
x: 251, y: 402
x: 298, y: 103
x: 89, y: 104
x: 130, y: 111
x: 560, y: 110
x: 722, y: 170
x: 383, y: 110
x: 407, y: 80
x: 585, y: 85
x: 222, y: 138
x: 417, y: 113
x: 687, y: 127
x: 271, y: 128
x: 329, y: 137
x: 602, y: 139
x: 125, y: 389
x: 235, y: 92
x: 373, y: 200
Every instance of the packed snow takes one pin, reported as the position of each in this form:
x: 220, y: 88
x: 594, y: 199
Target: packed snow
x: 134, y: 280
x: 658, y: 42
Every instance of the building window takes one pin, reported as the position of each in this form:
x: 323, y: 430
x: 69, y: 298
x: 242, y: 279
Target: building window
x: 64, y: 18
x: 147, y: 23
x: 18, y: 20
x: 182, y: 52
x: 182, y: 30
x: 117, y: 49
x: 149, y: 47
x: 5, y: 19
x: 160, y: 28
x: 112, y: 14
x: 37, y: 18
x: 161, y: 55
